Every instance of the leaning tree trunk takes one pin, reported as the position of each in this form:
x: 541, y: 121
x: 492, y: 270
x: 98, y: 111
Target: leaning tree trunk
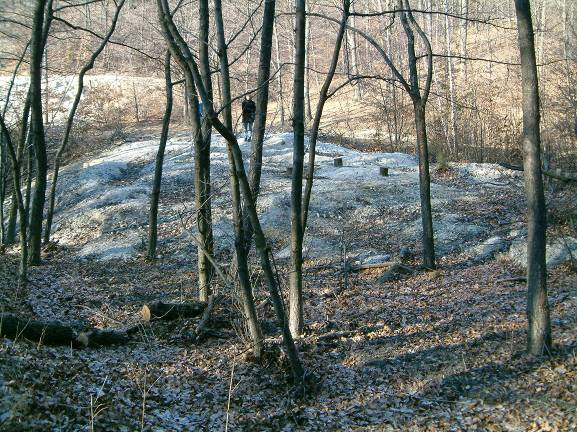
x: 179, y: 48
x: 323, y: 97
x: 539, y: 339
x: 241, y: 253
x: 70, y: 121
x: 155, y: 195
x: 296, y: 318
x: 42, y: 13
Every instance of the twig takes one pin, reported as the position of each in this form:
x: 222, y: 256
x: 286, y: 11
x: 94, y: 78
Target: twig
x: 229, y: 395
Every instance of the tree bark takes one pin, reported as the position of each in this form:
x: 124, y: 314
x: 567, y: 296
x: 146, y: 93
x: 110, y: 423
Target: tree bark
x: 46, y: 332
x: 42, y: 17
x: 156, y: 183
x: 425, y: 186
x: 296, y: 316
x: 539, y: 339
x: 202, y: 163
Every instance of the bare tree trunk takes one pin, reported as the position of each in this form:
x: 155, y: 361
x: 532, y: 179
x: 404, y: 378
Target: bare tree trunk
x: 539, y: 335
x: 323, y: 97
x: 16, y: 175
x: 29, y: 174
x: 46, y: 87
x: 308, y: 114
x: 70, y: 121
x: 202, y: 164
x: 156, y: 183
x: 280, y: 98
x: 237, y: 214
x: 448, y: 40
x: 464, y: 34
x: 3, y: 181
x: 296, y: 315
x: 42, y: 15
x: 9, y: 235
x: 24, y: 130
x: 419, y: 103
x: 353, y: 59
x: 262, y: 96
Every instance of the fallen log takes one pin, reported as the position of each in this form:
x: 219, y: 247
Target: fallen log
x: 361, y: 267
x: 99, y: 338
x: 327, y: 337
x: 556, y: 173
x: 171, y: 311
x: 512, y: 279
x: 45, y: 332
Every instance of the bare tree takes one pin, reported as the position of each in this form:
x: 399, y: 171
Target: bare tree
x: 241, y: 252
x: 296, y: 319
x: 156, y: 182
x: 539, y: 335
x: 262, y: 96
x: 16, y: 175
x: 202, y: 196
x: 70, y: 120
x: 413, y: 88
x: 42, y: 20
x: 179, y: 48
x: 419, y: 103
x: 323, y: 97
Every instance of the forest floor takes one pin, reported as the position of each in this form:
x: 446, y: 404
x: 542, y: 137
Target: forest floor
x: 430, y: 351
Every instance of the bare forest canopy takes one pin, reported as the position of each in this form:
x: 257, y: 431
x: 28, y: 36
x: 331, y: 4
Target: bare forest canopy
x: 475, y: 98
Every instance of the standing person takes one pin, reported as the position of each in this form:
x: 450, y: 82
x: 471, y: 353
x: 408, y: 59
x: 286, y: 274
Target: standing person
x: 248, y: 114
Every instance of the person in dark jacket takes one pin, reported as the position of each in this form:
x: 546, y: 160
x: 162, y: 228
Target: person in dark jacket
x: 248, y: 114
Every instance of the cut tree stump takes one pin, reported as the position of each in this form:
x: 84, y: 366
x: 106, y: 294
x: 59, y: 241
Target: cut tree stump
x: 338, y: 162
x: 384, y: 171
x: 172, y: 311
x: 46, y: 332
